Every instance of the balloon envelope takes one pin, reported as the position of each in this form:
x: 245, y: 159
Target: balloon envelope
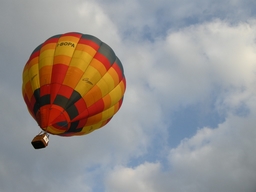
x: 73, y: 84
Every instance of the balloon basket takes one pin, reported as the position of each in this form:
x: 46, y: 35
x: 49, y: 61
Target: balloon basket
x: 40, y: 141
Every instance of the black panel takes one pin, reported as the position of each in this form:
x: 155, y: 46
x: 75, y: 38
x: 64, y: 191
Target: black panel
x: 107, y: 52
x: 62, y: 123
x: 92, y: 38
x: 120, y: 65
x: 55, y: 36
x: 60, y: 101
x: 45, y: 100
x: 66, y: 103
x: 72, y: 112
x: 37, y: 95
x: 73, y: 98
x: 73, y: 128
x: 37, y: 48
x: 36, y: 108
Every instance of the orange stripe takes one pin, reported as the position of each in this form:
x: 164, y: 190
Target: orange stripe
x: 92, y: 96
x: 114, y: 76
x: 99, y: 66
x: 94, y: 119
x: 62, y: 59
x: 86, y: 48
x: 69, y: 39
x: 47, y: 46
x: 45, y: 75
x: 72, y: 77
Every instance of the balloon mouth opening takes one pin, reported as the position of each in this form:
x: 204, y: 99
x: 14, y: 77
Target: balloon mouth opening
x: 53, y: 120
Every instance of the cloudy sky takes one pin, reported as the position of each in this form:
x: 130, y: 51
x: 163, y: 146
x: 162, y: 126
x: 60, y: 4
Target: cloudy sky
x: 187, y: 123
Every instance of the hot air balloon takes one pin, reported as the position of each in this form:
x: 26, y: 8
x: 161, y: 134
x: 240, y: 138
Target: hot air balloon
x: 73, y: 84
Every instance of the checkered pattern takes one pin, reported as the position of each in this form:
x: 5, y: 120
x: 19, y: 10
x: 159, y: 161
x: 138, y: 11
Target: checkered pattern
x: 73, y: 84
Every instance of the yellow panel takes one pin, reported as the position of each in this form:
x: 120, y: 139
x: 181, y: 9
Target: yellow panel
x: 90, y: 77
x: 112, y: 72
x: 122, y: 86
x: 82, y: 55
x: 86, y: 49
x: 117, y: 107
x: 65, y: 48
x: 106, y: 84
x: 108, y: 113
x: 99, y: 66
x: 68, y: 39
x: 46, y: 53
x: 82, y: 61
x: 25, y: 76
x: 110, y: 81
x: 79, y: 63
x: 48, y: 46
x: 53, y: 130
x: 107, y: 101
x: 33, y: 61
x: 28, y: 90
x: 47, y: 61
x: 116, y: 94
x: 34, y: 77
x: 72, y: 77
x: 89, y: 129
x: 26, y: 67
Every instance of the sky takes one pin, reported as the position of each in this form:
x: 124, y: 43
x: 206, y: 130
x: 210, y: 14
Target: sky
x: 187, y: 123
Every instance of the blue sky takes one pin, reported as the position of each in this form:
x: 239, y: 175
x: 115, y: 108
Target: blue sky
x: 188, y: 118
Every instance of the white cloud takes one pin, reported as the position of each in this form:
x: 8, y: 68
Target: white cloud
x: 127, y: 179
x: 200, y: 59
x: 220, y: 159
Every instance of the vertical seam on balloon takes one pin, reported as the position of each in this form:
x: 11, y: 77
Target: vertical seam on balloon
x: 51, y: 103
x: 68, y: 63
x: 85, y: 68
x: 101, y: 43
x: 120, y: 81
x: 84, y: 73
x: 65, y: 74
x: 108, y: 91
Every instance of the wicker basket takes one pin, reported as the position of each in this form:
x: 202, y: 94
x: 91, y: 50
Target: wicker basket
x: 40, y: 141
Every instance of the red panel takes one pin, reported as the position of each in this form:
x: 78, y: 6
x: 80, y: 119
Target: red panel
x: 60, y: 122
x: 78, y: 35
x: 82, y: 110
x: 58, y: 73
x: 45, y: 90
x: 81, y: 123
x: 82, y: 115
x: 124, y: 81
x: 118, y: 71
x: 32, y: 101
x: 80, y: 105
x: 65, y: 91
x: 54, y: 91
x: 34, y: 55
x: 96, y: 108
x: 54, y: 112
x: 92, y: 44
x: 104, y: 60
x: 51, y: 40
